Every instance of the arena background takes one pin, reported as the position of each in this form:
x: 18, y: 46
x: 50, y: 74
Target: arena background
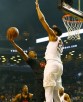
x: 13, y: 70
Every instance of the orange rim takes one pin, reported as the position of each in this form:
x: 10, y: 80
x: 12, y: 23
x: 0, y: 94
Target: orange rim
x: 68, y: 15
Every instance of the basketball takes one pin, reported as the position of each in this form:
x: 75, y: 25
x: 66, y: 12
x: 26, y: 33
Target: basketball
x: 12, y: 32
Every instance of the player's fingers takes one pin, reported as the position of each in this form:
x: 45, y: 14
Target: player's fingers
x: 36, y: 1
x: 12, y: 37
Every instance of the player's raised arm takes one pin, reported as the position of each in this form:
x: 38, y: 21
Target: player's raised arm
x: 10, y: 36
x: 42, y: 20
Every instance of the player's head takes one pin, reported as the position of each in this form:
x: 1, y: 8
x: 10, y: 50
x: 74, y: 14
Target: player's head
x: 25, y: 88
x: 57, y: 30
x: 32, y: 54
x: 61, y: 91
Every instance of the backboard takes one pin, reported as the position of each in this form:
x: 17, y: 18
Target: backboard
x: 71, y: 8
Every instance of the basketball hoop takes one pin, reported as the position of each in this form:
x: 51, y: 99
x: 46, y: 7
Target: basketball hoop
x: 73, y: 25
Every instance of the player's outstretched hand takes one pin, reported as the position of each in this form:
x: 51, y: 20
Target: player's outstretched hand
x: 36, y: 3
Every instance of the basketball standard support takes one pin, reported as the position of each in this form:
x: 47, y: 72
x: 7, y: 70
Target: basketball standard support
x: 69, y: 10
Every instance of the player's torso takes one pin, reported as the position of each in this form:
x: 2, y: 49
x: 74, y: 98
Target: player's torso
x: 53, y: 50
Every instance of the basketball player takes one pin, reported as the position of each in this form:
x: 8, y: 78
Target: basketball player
x: 24, y: 96
x: 64, y: 96
x: 34, y: 62
x: 54, y: 68
x: 2, y: 98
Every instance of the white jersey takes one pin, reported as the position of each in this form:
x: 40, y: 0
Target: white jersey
x: 54, y: 50
x: 53, y: 65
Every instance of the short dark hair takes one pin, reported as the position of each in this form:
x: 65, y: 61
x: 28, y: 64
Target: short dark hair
x: 56, y: 29
x: 30, y: 51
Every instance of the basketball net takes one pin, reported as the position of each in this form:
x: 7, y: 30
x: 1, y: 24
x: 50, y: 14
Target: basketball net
x: 73, y: 25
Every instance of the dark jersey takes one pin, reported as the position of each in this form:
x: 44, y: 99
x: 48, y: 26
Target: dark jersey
x: 36, y: 67
x: 23, y: 99
x: 38, y: 79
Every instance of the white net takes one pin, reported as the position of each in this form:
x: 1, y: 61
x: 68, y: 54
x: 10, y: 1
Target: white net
x: 73, y: 26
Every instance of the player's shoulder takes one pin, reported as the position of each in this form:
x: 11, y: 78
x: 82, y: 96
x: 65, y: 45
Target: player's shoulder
x: 30, y: 95
x: 18, y: 95
x: 67, y: 97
